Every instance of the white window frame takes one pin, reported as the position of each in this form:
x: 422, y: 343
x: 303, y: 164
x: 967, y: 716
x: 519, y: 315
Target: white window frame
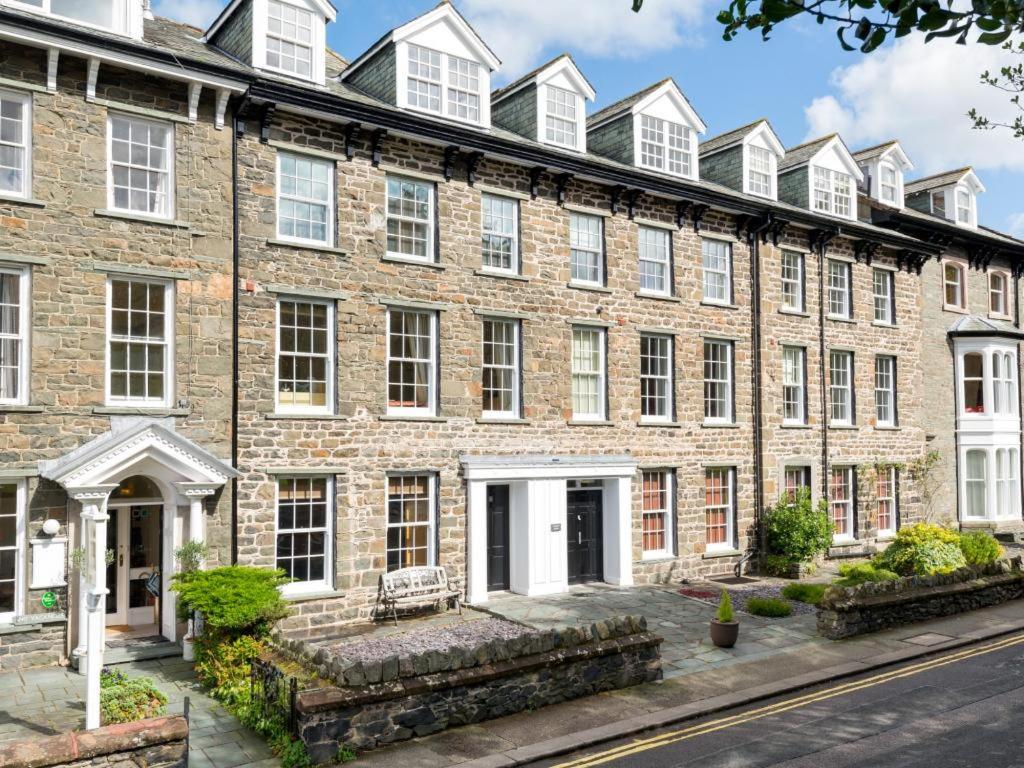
x: 296, y: 42
x: 170, y: 157
x: 848, y: 503
x: 168, y: 343
x: 329, y: 204
x: 887, y: 297
x: 832, y: 192
x: 1003, y: 368
x: 549, y: 97
x: 24, y: 275
x: 432, y: 364
x: 432, y: 516
x: 794, y: 385
x: 513, y: 236
x: 119, y: 15
x: 843, y: 290
x: 449, y: 83
x: 755, y: 170
x: 982, y: 481
x: 515, y: 369
x: 891, y: 476
x: 709, y: 268
x: 20, y: 518
x: 328, y: 407
x: 728, y: 406
x: 1007, y: 481
x: 883, y: 185
x: 964, y: 212
x: 1003, y: 311
x: 847, y: 418
x: 430, y: 221
x: 804, y: 472
x: 654, y: 248
x: 460, y: 95
x: 960, y: 283
x: 666, y: 146
x: 666, y: 380
x: 665, y: 512
x: 886, y: 414
x: 25, y: 145
x: 788, y: 280
x: 600, y: 375
x: 578, y: 246
x: 729, y: 544
x: 327, y: 582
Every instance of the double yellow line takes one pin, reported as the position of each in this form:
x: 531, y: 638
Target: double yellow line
x: 673, y: 737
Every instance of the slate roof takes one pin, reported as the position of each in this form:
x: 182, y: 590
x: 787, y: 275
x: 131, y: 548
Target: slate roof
x: 871, y: 152
x: 504, y: 91
x: 935, y: 181
x: 626, y: 104
x: 184, y: 40
x: 977, y: 325
x: 726, y: 139
x: 802, y: 153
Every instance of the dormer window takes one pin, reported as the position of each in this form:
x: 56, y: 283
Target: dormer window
x: 760, y: 171
x: 665, y: 146
x: 120, y: 16
x: 833, y: 192
x: 463, y: 89
x: 888, y: 184
x: 424, y: 79
x: 562, y: 117
x: 939, y: 203
x: 964, y: 207
x: 444, y: 84
x: 290, y: 39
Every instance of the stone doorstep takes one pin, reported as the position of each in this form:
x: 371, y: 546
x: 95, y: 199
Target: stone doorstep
x: 328, y: 699
x: 563, y: 745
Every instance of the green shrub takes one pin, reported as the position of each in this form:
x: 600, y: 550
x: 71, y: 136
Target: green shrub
x: 854, y: 575
x: 797, y: 529
x: 725, y: 613
x: 803, y: 592
x: 222, y: 664
x: 234, y: 600
x: 921, y: 550
x: 768, y: 606
x: 124, y: 700
x: 979, y: 548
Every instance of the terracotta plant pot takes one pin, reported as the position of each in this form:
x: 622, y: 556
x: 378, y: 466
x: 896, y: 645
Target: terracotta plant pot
x: 724, y: 634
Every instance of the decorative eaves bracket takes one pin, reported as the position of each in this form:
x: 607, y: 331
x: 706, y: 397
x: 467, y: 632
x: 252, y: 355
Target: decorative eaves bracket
x: 472, y: 165
x: 536, y: 174
x: 376, y: 140
x: 266, y: 118
x: 352, y: 131
x: 699, y: 212
x: 866, y: 250
x: 451, y: 158
x: 820, y: 239
x: 913, y: 261
x: 561, y: 182
x: 980, y: 256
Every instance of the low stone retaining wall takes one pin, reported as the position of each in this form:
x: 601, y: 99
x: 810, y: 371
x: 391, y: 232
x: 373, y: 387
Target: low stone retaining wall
x: 849, y: 611
x: 161, y: 742
x: 32, y: 641
x: 378, y: 703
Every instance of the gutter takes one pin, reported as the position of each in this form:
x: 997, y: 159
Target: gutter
x: 819, y: 243
x: 237, y: 126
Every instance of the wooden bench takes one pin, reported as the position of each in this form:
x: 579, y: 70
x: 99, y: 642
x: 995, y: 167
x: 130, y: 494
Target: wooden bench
x: 417, y: 587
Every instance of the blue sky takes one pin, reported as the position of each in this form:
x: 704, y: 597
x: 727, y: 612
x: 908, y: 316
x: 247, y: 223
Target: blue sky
x: 800, y: 80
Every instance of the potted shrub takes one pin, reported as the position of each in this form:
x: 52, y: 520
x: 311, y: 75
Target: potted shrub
x: 724, y: 627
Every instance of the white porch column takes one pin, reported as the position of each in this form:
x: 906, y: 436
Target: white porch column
x: 195, y: 493
x: 618, y: 531
x: 476, y: 577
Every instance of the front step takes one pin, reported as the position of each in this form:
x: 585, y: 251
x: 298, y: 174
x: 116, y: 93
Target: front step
x: 164, y: 650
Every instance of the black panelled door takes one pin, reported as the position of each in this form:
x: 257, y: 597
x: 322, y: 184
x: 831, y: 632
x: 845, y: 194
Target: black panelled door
x: 584, y: 537
x: 497, y: 537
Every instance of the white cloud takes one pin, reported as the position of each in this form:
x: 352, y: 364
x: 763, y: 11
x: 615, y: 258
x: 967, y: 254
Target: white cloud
x: 1015, y: 225
x: 920, y: 93
x: 198, y: 13
x: 521, y: 31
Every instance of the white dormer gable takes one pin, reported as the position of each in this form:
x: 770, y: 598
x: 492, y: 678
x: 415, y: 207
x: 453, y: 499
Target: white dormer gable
x: 958, y: 201
x: 562, y: 94
x: 443, y: 67
x: 832, y: 177
x: 665, y: 129
x: 762, y: 152
x: 886, y: 170
x: 122, y: 17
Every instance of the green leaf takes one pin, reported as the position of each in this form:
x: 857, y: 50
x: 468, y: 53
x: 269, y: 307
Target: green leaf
x: 846, y: 46
x: 988, y: 25
x: 994, y: 38
x: 876, y: 39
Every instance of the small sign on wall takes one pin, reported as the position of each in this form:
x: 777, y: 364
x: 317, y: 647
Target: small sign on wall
x: 49, y: 558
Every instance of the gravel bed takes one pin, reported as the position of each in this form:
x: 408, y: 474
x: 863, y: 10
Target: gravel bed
x: 741, y: 596
x: 466, y: 634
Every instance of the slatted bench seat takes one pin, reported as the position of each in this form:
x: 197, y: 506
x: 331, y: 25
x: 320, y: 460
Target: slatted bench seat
x: 417, y: 587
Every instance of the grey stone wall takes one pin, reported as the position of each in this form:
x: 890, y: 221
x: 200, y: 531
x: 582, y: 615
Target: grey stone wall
x: 235, y: 36
x: 518, y: 112
x: 725, y: 167
x: 378, y: 76
x: 850, y: 611
x: 614, y: 140
x: 404, y: 697
x: 793, y: 188
x: 32, y: 642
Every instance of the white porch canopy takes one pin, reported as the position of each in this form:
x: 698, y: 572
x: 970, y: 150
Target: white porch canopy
x: 185, y: 475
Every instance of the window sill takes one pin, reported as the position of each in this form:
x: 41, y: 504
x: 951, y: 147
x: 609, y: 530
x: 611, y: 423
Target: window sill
x: 658, y: 297
x: 112, y: 410
x: 843, y: 426
x: 720, y: 304
x: 413, y: 417
x: 888, y: 427
x: 717, y: 553
x: 844, y: 543
x: 28, y: 202
x: 840, y: 319
x: 664, y: 424
x: 794, y: 312
x: 413, y: 262
x: 587, y: 423
x: 795, y: 426
x: 999, y: 316
x: 299, y: 246
x: 106, y: 213
x: 13, y: 408
x: 304, y: 417
x: 505, y: 275
x: 498, y: 421
x: 880, y: 324
x: 588, y: 287
x: 955, y: 309
x: 719, y: 425
x: 313, y: 594
x: 655, y: 558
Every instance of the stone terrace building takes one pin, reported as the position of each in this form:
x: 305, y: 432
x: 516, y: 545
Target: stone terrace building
x: 418, y: 322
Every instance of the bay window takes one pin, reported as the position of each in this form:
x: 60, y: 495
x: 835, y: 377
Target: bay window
x: 105, y: 14
x: 974, y: 382
x: 15, y: 144
x: 976, y: 484
x: 1007, y: 483
x: 1004, y: 391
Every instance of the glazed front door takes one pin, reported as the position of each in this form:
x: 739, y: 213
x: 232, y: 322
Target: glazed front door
x: 583, y: 533
x: 134, y: 577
